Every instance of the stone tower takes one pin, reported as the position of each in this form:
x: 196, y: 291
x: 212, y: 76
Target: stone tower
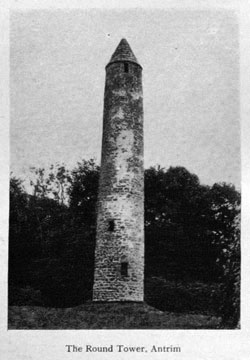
x: 119, y: 253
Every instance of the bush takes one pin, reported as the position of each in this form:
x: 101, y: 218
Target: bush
x: 229, y: 308
x: 25, y: 296
x: 182, y: 296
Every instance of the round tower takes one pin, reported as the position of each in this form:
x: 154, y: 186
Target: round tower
x: 119, y: 253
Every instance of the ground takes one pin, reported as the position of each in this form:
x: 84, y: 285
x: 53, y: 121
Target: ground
x: 106, y: 316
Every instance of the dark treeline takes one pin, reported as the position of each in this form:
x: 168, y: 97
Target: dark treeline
x: 191, y: 234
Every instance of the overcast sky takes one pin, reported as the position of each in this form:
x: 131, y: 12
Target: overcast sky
x: 190, y: 65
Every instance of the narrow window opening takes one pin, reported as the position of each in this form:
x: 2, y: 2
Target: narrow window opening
x: 111, y: 225
x: 126, y: 67
x: 124, y: 269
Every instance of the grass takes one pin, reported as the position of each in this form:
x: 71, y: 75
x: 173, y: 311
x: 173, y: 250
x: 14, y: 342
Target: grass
x: 168, y: 305
x: 127, y: 315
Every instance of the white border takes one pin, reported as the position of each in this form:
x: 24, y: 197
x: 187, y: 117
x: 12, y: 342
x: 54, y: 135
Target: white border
x: 108, y: 4
x: 195, y: 344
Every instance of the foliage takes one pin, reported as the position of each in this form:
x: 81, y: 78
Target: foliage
x: 189, y: 233
x: 178, y: 220
x: 25, y: 296
x: 181, y: 296
x: 19, y: 248
x: 51, y: 239
x: 83, y: 192
x: 54, y: 183
x: 229, y: 260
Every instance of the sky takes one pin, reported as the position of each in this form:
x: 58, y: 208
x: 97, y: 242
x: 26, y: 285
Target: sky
x: 190, y: 63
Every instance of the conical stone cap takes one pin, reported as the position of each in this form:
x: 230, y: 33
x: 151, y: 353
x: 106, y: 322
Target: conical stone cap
x: 123, y: 52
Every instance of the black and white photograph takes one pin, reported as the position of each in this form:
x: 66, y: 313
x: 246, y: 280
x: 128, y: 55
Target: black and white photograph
x: 125, y: 176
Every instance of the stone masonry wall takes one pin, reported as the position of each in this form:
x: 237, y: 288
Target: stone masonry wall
x: 120, y: 218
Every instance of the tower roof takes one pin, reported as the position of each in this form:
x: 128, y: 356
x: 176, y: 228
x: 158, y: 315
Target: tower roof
x: 123, y: 52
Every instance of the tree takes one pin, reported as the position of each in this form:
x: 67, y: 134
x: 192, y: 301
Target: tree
x: 229, y: 260
x: 177, y: 213
x: 39, y: 183
x: 188, y: 226
x: 225, y: 233
x: 68, y: 277
x: 83, y: 192
x: 225, y: 203
x: 18, y: 204
x: 18, y: 230
x: 53, y: 183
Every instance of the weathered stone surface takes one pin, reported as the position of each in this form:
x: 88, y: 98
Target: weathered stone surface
x: 123, y: 52
x: 120, y: 209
